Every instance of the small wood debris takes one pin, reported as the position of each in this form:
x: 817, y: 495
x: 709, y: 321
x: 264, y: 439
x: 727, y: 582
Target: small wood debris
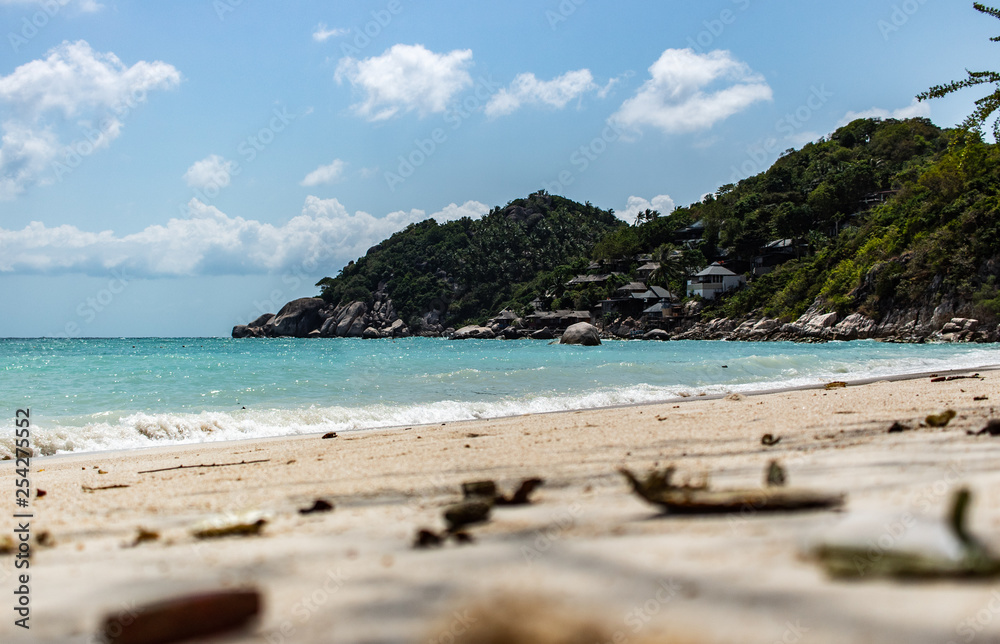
x: 980, y: 398
x: 898, y: 427
x: 143, y: 535
x: 488, y: 491
x: 775, y: 474
x: 45, y: 540
x: 87, y: 488
x: 39, y: 493
x: 7, y: 545
x: 769, y: 440
x: 319, y: 505
x: 522, y: 496
x: 479, y: 489
x: 230, y: 527
x: 427, y: 539
x: 992, y: 428
x: 974, y: 376
x: 467, y: 513
x: 330, y: 435
x: 942, y: 419
x: 837, y: 384
x: 183, y: 618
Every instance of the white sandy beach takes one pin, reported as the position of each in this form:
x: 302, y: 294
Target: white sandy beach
x: 587, y: 547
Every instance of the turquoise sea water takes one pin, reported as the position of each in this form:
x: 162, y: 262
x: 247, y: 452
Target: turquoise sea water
x: 97, y: 394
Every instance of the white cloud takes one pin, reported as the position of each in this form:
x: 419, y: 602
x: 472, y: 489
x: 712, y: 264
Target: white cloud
x: 406, y: 78
x: 213, y: 170
x: 325, y: 174
x: 322, y: 33
x: 556, y: 93
x: 209, y: 242
x: 914, y: 109
x: 688, y: 92
x: 663, y: 204
x: 72, y: 102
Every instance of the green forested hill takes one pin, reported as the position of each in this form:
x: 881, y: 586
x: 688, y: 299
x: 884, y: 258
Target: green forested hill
x: 468, y: 269
x: 882, y: 214
x: 934, y: 236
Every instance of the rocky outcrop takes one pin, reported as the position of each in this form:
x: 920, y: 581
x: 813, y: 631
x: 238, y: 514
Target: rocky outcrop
x: 582, y: 333
x: 255, y: 329
x: 656, y: 334
x: 296, y: 319
x: 474, y: 332
x: 543, y: 334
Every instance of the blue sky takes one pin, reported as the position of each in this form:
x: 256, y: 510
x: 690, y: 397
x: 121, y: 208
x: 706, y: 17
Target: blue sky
x: 178, y: 168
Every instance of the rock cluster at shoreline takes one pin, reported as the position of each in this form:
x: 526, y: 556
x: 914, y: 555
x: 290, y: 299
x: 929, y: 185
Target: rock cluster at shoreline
x: 314, y: 318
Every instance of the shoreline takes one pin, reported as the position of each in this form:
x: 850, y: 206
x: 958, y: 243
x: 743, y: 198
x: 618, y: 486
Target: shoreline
x: 666, y: 401
x: 587, y: 545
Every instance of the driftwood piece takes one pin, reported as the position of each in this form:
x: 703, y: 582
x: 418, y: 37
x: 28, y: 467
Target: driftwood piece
x: 183, y: 618
x: 191, y: 467
x: 87, y: 488
x: 656, y: 489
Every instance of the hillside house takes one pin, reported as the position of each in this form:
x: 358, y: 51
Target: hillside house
x: 713, y: 280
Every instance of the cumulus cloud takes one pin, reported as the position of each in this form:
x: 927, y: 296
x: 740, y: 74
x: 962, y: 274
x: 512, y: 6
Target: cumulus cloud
x: 210, y: 242
x: 72, y: 102
x: 660, y: 203
x: 322, y: 33
x: 213, y: 170
x: 687, y: 92
x: 914, y: 109
x: 556, y: 93
x: 325, y: 174
x: 406, y: 78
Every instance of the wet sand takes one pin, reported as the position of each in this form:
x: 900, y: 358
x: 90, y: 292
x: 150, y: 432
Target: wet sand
x: 587, y: 549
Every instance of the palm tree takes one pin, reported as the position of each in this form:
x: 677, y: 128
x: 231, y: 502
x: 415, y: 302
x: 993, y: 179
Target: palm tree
x: 672, y: 269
